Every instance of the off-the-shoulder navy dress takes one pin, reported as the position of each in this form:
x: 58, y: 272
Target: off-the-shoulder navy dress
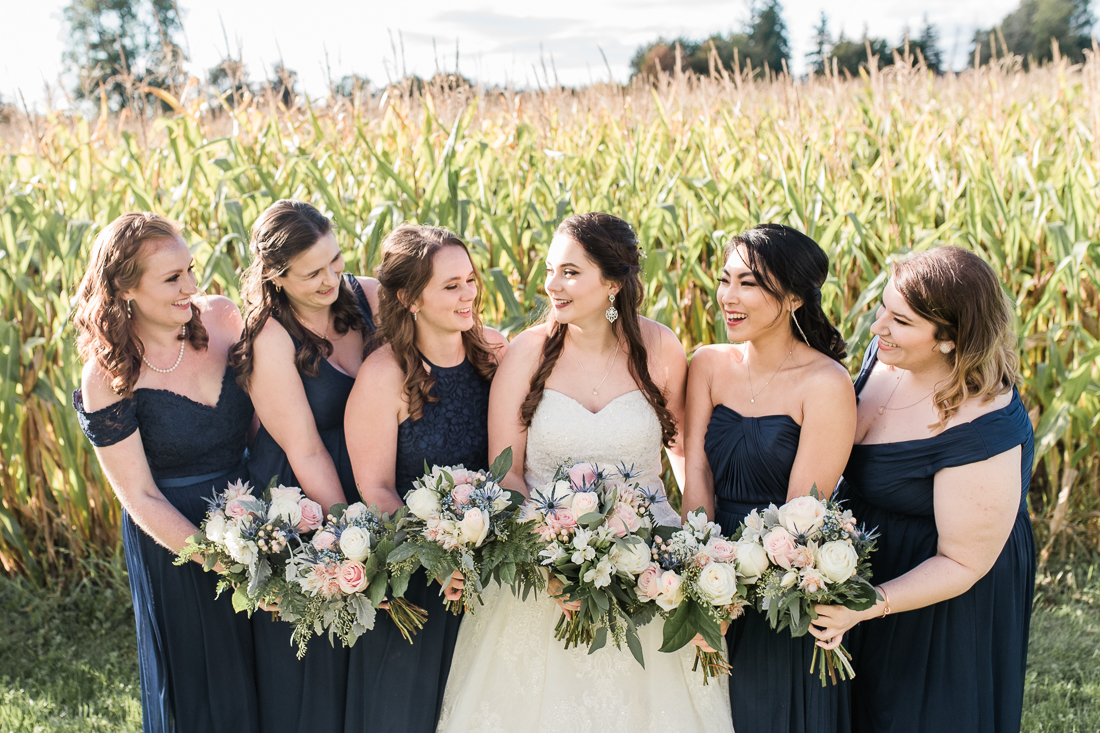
x: 771, y: 688
x: 195, y: 654
x: 394, y: 686
x: 305, y: 695
x: 958, y: 664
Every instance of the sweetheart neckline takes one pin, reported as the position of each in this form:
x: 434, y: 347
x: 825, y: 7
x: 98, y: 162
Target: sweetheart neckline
x: 221, y: 393
x: 597, y: 412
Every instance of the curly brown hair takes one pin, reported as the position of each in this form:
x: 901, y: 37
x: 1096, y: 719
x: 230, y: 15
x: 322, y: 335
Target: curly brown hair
x: 105, y: 333
x: 406, y: 269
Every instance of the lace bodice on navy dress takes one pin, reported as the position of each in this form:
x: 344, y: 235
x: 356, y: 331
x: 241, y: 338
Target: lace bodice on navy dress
x: 451, y: 431
x: 181, y: 437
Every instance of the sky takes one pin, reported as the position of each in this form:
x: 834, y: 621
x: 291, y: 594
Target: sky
x: 497, y: 41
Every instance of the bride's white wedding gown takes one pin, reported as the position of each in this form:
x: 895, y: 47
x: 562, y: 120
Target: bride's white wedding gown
x: 510, y: 674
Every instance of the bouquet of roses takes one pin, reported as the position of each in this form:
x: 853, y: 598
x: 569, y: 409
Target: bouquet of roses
x: 694, y: 580
x: 807, y: 552
x: 465, y: 520
x: 338, y: 580
x: 251, y: 539
x: 596, y: 526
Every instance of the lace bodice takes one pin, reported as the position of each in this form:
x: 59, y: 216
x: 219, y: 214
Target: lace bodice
x: 626, y: 431
x: 181, y: 437
x: 451, y: 431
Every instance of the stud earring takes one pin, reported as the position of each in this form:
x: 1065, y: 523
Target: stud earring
x: 946, y: 348
x: 611, y: 314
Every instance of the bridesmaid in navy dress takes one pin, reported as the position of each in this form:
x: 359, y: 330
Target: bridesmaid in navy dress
x: 169, y: 424
x: 941, y: 466
x: 422, y: 396
x: 766, y: 421
x: 308, y: 327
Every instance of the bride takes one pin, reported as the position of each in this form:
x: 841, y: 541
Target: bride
x: 596, y: 382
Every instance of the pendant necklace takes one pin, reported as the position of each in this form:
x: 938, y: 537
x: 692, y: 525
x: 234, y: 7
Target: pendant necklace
x: 596, y: 389
x: 748, y: 372
x: 886, y: 405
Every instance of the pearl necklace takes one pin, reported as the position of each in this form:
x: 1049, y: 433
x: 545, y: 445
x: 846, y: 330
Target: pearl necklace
x: 183, y: 345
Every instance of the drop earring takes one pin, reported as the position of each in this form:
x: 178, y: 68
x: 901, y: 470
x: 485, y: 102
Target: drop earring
x: 129, y: 311
x: 414, y: 315
x: 611, y: 314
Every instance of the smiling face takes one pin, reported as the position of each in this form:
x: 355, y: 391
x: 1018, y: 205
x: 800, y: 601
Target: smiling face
x: 749, y: 310
x: 447, y: 301
x: 163, y: 295
x: 577, y: 290
x: 905, y: 339
x: 312, y: 280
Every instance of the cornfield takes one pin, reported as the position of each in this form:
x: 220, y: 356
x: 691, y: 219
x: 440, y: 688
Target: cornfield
x: 998, y: 160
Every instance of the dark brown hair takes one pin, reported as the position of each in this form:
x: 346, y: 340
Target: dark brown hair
x: 611, y: 245
x: 105, y: 334
x: 407, y: 264
x: 785, y: 262
x: 281, y: 233
x: 959, y: 293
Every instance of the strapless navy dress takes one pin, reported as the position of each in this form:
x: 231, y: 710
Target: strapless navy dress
x: 957, y: 665
x: 194, y: 653
x: 394, y: 686
x: 771, y: 688
x: 308, y: 694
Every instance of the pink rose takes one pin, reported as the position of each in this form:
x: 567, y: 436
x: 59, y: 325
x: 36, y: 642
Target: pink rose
x: 461, y: 476
x: 461, y: 494
x: 561, y: 519
x: 312, y: 515
x: 582, y: 473
x: 585, y: 502
x: 647, y: 581
x: 721, y: 550
x: 780, y: 547
x: 324, y: 540
x: 235, y: 509
x: 623, y: 520
x: 353, y: 577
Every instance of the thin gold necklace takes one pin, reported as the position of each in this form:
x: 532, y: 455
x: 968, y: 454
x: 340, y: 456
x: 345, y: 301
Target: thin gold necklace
x: 748, y: 372
x: 886, y: 405
x: 614, y: 356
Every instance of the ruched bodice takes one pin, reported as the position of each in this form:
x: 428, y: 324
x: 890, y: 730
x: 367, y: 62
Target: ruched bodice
x: 968, y: 653
x: 452, y: 430
x: 771, y: 689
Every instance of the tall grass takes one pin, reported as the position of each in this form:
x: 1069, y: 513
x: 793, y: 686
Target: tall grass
x: 997, y: 160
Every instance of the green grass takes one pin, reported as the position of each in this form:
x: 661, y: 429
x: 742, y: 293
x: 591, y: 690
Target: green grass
x: 68, y: 660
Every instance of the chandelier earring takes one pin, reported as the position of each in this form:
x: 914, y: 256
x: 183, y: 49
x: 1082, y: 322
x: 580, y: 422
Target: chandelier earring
x: 611, y: 314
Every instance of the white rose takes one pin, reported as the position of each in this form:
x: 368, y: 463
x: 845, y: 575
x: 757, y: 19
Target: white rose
x: 423, y: 503
x: 355, y: 511
x: 355, y: 543
x: 752, y: 561
x: 837, y: 561
x: 802, y: 515
x: 634, y: 559
x: 718, y: 583
x: 285, y: 492
x: 286, y: 507
x: 215, y: 527
x: 563, y: 492
x: 241, y: 550
x: 474, y: 527
x: 671, y: 591
x: 585, y: 502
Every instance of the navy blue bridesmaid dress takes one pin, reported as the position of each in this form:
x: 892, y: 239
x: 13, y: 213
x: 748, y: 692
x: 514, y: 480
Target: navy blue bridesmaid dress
x: 308, y: 694
x: 194, y: 653
x: 958, y: 664
x: 771, y: 688
x: 394, y: 686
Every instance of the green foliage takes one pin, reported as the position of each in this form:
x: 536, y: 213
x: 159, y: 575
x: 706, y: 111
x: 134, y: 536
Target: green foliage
x: 1030, y: 30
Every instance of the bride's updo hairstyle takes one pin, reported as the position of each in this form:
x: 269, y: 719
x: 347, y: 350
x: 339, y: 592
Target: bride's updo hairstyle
x: 105, y: 333
x: 959, y: 293
x: 282, y: 232
x: 785, y: 262
x: 611, y: 245
x: 407, y: 266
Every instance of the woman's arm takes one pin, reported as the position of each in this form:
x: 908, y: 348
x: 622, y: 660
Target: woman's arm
x: 828, y: 431
x: 373, y: 414
x: 699, y: 489
x: 280, y: 401
x: 975, y: 508
x: 509, y: 390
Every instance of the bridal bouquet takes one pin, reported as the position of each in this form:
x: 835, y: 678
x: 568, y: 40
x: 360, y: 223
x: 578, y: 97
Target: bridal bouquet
x: 694, y: 580
x: 807, y: 552
x: 338, y: 580
x: 596, y: 526
x: 251, y: 539
x: 465, y: 520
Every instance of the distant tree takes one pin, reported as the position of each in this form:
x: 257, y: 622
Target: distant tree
x: 283, y: 83
x: 351, y: 85
x: 928, y: 43
x: 850, y: 54
x: 229, y: 79
x: 122, y: 45
x: 822, y: 45
x: 1029, y: 29
x: 767, y: 37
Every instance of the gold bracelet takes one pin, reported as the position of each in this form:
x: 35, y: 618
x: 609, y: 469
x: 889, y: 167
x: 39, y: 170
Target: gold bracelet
x: 885, y: 597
